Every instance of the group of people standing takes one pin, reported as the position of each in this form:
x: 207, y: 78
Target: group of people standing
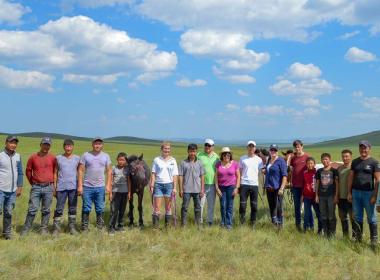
x: 202, y: 176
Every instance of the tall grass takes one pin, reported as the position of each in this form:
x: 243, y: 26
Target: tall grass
x: 181, y: 253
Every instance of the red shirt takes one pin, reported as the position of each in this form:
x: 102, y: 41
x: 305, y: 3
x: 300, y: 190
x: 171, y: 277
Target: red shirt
x: 299, y: 166
x: 309, y: 184
x: 40, y: 169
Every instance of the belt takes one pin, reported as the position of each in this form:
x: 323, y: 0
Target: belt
x: 43, y: 184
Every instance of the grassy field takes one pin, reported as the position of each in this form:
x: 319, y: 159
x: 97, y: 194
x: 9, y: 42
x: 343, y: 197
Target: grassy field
x: 210, y: 253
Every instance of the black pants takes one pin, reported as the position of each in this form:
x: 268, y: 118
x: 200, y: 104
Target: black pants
x: 251, y: 192
x: 118, y: 206
x: 275, y: 206
x: 71, y: 197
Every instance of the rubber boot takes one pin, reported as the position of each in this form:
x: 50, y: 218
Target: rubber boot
x: 357, y: 229
x: 242, y: 219
x: 332, y: 228
x: 56, y: 226
x: 27, y: 225
x: 7, y: 226
x: 44, y: 230
x: 100, y: 221
x: 325, y: 227
x: 72, y: 225
x: 183, y: 217
x: 197, y: 217
x: 345, y: 228
x: 85, y: 220
x: 155, y: 221
x: 373, y: 235
x: 168, y: 219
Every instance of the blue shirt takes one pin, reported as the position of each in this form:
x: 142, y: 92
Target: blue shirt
x: 275, y: 173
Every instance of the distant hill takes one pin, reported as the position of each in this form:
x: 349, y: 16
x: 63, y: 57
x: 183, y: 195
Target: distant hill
x: 64, y: 136
x: 373, y: 137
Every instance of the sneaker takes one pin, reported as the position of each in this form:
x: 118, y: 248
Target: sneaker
x: 111, y: 231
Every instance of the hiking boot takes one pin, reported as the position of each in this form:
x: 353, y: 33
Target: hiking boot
x: 27, y: 225
x: 100, y: 221
x: 7, y: 226
x: 357, y: 231
x: 155, y: 221
x: 85, y: 220
x: 168, y: 219
x: 72, y: 225
x: 44, y: 230
x: 373, y: 235
x: 345, y: 228
x: 56, y: 226
x: 242, y: 219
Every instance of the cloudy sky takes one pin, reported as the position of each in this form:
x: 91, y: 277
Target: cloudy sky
x: 227, y: 69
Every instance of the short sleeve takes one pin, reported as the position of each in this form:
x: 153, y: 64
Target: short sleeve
x: 376, y: 166
x: 108, y: 160
x: 175, y: 168
x: 202, y: 169
x: 154, y: 166
x: 318, y: 175
x: 260, y: 165
x: 336, y: 174
x: 353, y: 165
x: 180, y: 169
x: 82, y: 159
x: 237, y: 165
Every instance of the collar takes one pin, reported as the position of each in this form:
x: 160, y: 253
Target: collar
x: 9, y: 153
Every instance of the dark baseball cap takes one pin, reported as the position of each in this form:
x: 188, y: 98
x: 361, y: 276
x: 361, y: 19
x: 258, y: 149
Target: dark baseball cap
x: 68, y: 142
x: 192, y: 147
x: 273, y: 147
x: 11, y: 138
x: 46, y: 140
x: 100, y: 139
x: 365, y: 143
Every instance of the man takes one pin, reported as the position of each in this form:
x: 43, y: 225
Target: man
x: 298, y: 167
x: 11, y: 181
x: 250, y: 165
x: 344, y: 206
x: 65, y: 186
x: 93, y: 166
x: 209, y: 158
x: 191, y: 184
x: 40, y: 171
x: 363, y: 177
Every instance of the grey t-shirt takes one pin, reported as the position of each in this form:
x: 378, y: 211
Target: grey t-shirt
x: 67, y: 172
x: 120, y: 179
x: 191, y: 172
x: 95, y: 167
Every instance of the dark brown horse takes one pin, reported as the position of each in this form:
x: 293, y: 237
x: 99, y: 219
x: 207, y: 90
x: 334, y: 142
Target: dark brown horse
x: 140, y: 176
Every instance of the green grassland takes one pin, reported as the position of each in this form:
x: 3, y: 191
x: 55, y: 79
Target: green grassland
x: 177, y: 253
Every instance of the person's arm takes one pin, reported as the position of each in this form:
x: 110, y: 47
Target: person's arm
x: 55, y: 181
x: 29, y: 170
x: 316, y: 190
x: 129, y: 187
x: 337, y: 189
x: 336, y: 182
x: 218, y: 192
x: 152, y: 182
x: 376, y: 189
x: 284, y: 174
x: 20, y: 178
x: 236, y: 191
x: 202, y: 186
x: 349, y: 182
x: 80, y: 179
x: 109, y: 179
x: 180, y: 185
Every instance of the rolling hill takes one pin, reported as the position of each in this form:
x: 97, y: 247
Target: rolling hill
x: 373, y: 137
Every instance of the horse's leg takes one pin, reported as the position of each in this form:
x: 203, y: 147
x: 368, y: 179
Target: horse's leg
x: 140, y: 207
x: 130, y: 213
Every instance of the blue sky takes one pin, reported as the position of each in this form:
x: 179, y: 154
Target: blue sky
x: 228, y: 69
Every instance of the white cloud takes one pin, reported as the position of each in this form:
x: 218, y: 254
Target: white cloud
x: 16, y: 79
x: 120, y: 100
x: 358, y: 93
x: 356, y: 55
x: 149, y: 77
x: 242, y: 93
x: 11, y: 12
x: 372, y: 103
x: 312, y: 87
x: 99, y: 79
x: 97, y: 3
x: 81, y: 45
x: 232, y: 107
x: 308, y: 102
x: 304, y: 71
x: 349, y: 35
x: 189, y: 83
x: 264, y: 110
x: 239, y: 79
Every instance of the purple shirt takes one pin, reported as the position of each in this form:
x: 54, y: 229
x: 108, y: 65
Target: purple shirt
x: 227, y: 176
x: 67, y: 172
x: 95, y: 167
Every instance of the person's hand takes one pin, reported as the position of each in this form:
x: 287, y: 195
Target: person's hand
x: 174, y: 191
x: 181, y: 194
x: 80, y: 191
x: 336, y: 200
x: 281, y: 192
x: 317, y: 199
x: 372, y: 200
x: 218, y: 192
x: 129, y: 196
x: 110, y: 196
x: 201, y: 194
x: 349, y: 197
x: 18, y: 191
x: 54, y: 192
x: 151, y: 189
x: 235, y: 192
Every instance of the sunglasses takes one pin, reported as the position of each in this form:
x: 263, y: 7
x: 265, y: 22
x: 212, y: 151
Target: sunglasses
x: 208, y: 145
x: 226, y: 154
x: 273, y: 150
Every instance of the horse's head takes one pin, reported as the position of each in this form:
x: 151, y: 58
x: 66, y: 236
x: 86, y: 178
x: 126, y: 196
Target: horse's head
x: 139, y: 170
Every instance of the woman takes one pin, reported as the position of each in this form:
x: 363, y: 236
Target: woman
x: 163, y: 183
x: 275, y: 181
x: 227, y: 183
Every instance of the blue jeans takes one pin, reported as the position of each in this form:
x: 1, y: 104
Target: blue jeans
x: 227, y: 205
x: 7, y: 203
x: 94, y: 195
x: 210, y: 195
x: 360, y: 201
x: 308, y: 220
x: 297, y: 194
x: 40, y: 194
x: 62, y: 196
x: 161, y: 190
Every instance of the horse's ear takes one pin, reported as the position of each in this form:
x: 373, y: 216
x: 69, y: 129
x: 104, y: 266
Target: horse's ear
x: 141, y: 157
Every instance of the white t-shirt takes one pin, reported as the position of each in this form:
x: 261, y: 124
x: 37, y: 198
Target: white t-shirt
x: 249, y: 167
x: 164, y: 170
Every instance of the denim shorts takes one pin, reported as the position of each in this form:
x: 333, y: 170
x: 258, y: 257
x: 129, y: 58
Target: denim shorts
x: 161, y: 190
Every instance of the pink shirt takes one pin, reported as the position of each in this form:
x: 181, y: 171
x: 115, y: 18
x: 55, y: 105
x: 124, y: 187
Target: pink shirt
x: 227, y: 176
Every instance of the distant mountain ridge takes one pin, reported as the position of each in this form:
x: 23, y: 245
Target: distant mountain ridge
x: 373, y: 137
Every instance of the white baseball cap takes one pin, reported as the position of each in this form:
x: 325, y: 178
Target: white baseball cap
x: 210, y: 142
x: 250, y: 142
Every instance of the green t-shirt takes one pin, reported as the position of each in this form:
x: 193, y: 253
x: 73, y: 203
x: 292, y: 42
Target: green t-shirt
x: 343, y: 181
x: 209, y: 162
